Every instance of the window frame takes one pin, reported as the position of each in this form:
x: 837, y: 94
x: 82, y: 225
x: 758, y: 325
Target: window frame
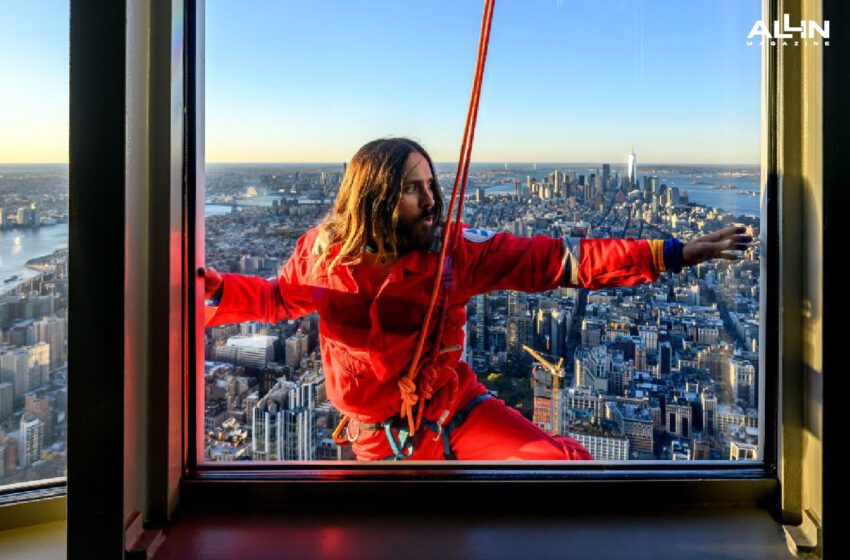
x: 100, y: 139
x: 752, y: 482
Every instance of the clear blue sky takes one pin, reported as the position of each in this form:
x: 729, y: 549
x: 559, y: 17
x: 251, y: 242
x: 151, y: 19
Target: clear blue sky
x: 566, y: 80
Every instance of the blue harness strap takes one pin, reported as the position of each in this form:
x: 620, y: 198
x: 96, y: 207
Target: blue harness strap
x: 402, y: 445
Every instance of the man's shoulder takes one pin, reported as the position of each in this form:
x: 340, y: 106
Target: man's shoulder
x: 308, y: 239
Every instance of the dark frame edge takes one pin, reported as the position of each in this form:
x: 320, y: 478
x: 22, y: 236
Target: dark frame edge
x: 519, y: 495
x: 97, y: 192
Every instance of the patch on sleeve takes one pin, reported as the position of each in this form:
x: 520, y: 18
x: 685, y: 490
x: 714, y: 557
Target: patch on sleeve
x: 478, y: 235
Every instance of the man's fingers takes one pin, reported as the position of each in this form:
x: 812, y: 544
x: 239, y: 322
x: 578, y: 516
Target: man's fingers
x: 737, y: 242
x: 721, y: 234
x: 727, y: 256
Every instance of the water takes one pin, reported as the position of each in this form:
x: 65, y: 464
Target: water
x: 703, y: 193
x: 17, y: 246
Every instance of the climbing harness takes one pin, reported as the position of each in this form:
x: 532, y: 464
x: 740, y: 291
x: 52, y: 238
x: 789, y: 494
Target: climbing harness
x: 401, y: 441
x: 413, y: 398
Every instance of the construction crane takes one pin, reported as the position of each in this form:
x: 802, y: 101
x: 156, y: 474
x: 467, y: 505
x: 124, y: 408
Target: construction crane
x: 557, y: 371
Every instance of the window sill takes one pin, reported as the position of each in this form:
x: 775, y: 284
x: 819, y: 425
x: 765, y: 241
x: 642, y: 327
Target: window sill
x: 694, y: 532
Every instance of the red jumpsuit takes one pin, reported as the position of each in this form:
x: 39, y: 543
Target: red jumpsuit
x: 371, y: 316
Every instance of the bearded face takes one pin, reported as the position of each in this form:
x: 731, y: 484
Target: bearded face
x: 416, y: 205
x: 416, y: 233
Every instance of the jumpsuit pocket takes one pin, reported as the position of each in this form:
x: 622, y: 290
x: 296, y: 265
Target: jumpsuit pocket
x: 349, y: 380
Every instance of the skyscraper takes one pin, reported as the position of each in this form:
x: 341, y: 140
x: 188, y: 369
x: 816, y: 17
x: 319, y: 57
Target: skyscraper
x: 631, y: 169
x: 481, y: 321
x: 283, y: 423
x: 665, y: 358
x: 32, y: 439
x: 52, y: 331
x: 7, y: 392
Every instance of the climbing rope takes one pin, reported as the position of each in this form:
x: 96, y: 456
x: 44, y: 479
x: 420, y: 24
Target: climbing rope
x: 410, y: 396
x: 407, y: 382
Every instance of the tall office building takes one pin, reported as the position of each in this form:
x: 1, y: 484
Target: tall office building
x: 518, y: 329
x: 283, y: 423
x: 640, y: 358
x: 38, y: 404
x: 7, y: 393
x: 595, y: 365
x: 631, y: 169
x: 717, y: 359
x: 679, y: 414
x: 31, y: 439
x: 606, y: 176
x: 517, y: 302
x: 649, y: 336
x: 665, y: 359
x: 742, y: 380
x: 559, y: 323
x: 51, y: 330
x: 482, y: 312
x: 591, y: 332
x: 296, y: 348
x: 25, y: 368
x: 652, y: 187
x: 709, y: 412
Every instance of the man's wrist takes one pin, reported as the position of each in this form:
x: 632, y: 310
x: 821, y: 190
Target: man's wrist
x: 673, y: 259
x: 215, y: 300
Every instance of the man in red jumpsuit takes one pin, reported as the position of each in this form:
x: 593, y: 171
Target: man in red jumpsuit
x: 368, y: 270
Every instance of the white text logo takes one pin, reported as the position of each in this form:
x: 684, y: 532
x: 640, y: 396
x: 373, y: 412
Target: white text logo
x: 808, y: 29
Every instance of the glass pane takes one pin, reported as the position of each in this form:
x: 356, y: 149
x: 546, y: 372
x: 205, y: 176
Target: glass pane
x: 33, y: 241
x: 611, y: 119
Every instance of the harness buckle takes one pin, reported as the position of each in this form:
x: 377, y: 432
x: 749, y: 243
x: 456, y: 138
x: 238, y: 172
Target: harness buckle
x: 440, y: 423
x: 352, y: 438
x: 439, y: 432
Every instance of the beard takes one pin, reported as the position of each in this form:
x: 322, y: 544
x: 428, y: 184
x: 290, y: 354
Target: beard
x: 414, y: 235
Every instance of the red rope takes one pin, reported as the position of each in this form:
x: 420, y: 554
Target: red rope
x: 407, y: 382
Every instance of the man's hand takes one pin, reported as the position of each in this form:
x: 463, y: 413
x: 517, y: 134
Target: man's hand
x: 714, y: 246
x: 212, y: 282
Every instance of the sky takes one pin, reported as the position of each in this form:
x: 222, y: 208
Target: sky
x: 312, y: 81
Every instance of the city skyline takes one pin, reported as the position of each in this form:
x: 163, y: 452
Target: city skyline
x: 548, y: 96
x: 658, y: 371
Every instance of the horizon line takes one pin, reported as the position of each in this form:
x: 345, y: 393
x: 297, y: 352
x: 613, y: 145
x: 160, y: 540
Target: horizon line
x: 436, y: 162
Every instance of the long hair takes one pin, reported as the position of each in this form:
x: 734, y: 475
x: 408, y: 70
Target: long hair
x: 366, y: 207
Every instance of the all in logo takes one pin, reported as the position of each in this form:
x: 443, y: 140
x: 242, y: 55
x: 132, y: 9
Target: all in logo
x: 810, y: 33
x: 478, y: 235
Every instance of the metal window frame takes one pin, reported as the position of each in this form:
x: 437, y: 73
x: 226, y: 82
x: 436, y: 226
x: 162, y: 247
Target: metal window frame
x: 280, y: 484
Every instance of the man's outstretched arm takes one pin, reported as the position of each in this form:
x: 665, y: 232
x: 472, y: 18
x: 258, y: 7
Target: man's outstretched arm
x: 626, y: 262
x: 500, y: 261
x: 235, y: 298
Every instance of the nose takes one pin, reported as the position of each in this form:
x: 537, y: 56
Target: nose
x: 427, y: 198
